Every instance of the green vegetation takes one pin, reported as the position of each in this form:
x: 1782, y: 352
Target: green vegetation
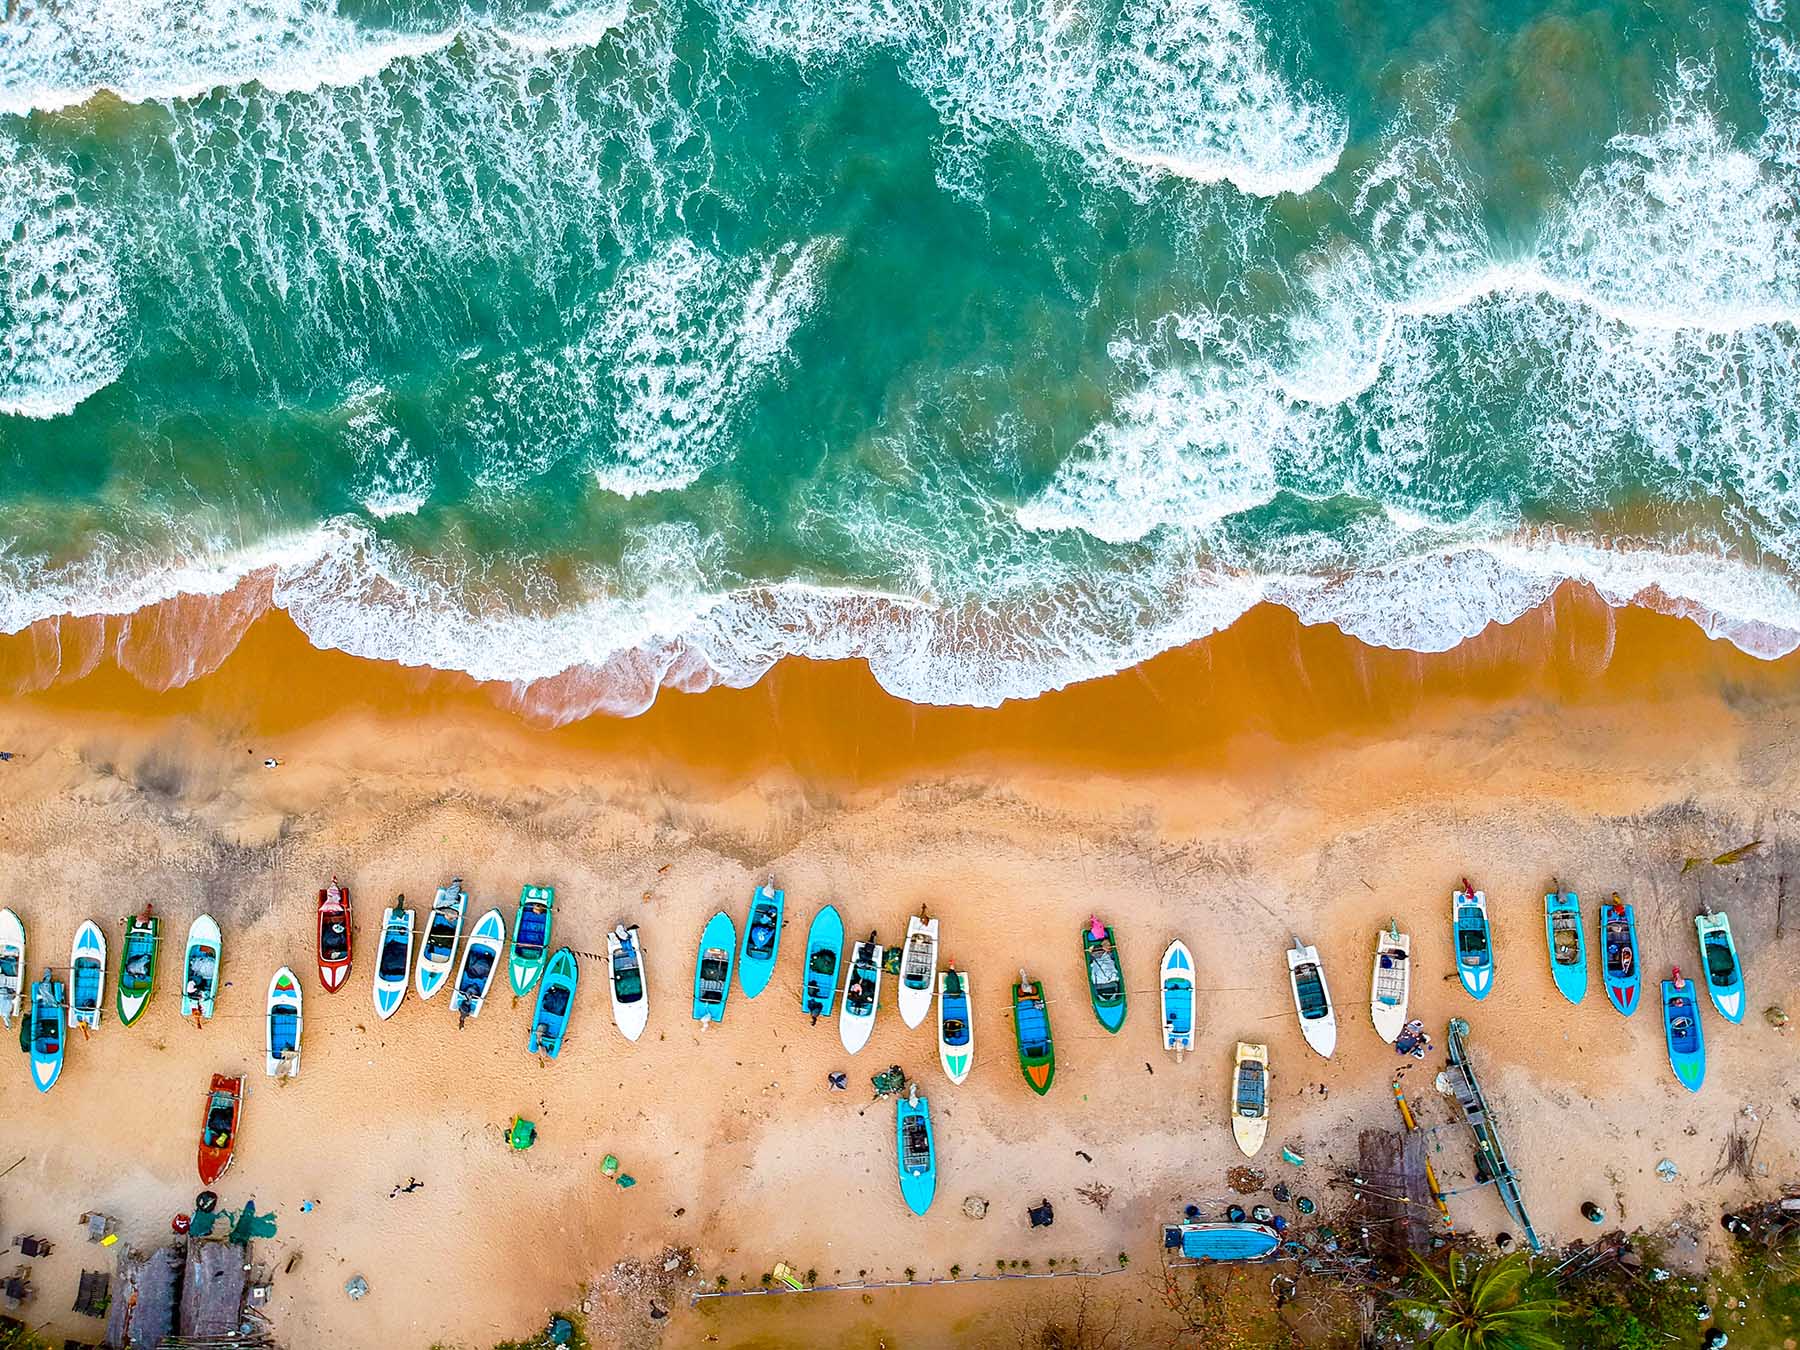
x: 548, y: 1339
x: 18, y: 1336
x: 1482, y: 1307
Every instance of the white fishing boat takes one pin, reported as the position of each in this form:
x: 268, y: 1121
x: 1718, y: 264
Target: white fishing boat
x: 281, y: 1025
x: 862, y: 990
x: 87, y: 976
x: 625, y: 977
x: 956, y: 1024
x: 918, y: 969
x: 12, y: 966
x: 1178, y: 999
x: 200, y: 968
x: 1312, y: 998
x: 442, y: 931
x: 1250, y: 1097
x: 1390, y: 987
x: 481, y: 957
x: 393, y: 959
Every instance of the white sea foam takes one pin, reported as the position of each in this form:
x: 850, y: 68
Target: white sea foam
x: 60, y: 307
x: 393, y: 477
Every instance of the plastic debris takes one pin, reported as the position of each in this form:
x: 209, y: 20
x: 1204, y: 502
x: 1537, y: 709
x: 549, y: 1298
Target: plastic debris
x: 626, y: 1181
x: 838, y: 1079
x: 1042, y: 1214
x: 1305, y: 1204
x: 975, y: 1207
x: 609, y: 1166
x: 1777, y: 1018
x: 1666, y: 1170
x: 1289, y: 1156
x: 356, y: 1286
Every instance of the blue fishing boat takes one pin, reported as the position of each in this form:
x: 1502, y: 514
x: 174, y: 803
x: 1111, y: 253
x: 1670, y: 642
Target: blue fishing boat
x: 555, y: 1001
x: 1719, y: 959
x: 1619, y: 955
x: 824, y: 954
x: 1224, y: 1240
x: 1178, y: 999
x: 916, y: 1150
x: 1474, y: 940
x: 1681, y: 1027
x: 48, y: 1028
x: 87, y: 976
x: 1568, y: 943
x: 762, y: 940
x: 712, y: 968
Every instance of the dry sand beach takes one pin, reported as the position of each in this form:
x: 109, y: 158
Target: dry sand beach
x: 1270, y: 782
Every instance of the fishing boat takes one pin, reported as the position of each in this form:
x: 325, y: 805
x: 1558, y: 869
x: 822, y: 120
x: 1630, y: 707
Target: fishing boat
x: 137, y: 966
x: 1106, y: 983
x: 87, y: 975
x: 956, y: 1030
x: 1390, y: 987
x: 480, y: 959
x: 1178, y: 999
x: 200, y: 968
x: 1719, y: 959
x: 625, y: 978
x: 712, y: 968
x: 1567, y: 939
x: 438, y: 953
x: 48, y: 1029
x: 916, y: 1151
x: 1250, y: 1097
x: 1223, y: 1240
x: 1619, y: 955
x: 281, y: 1041
x: 862, y: 994
x: 12, y: 966
x: 1474, y: 940
x: 918, y: 969
x: 393, y: 959
x: 1312, y: 998
x: 219, y: 1126
x: 334, y: 936
x: 1681, y: 1028
x: 824, y: 954
x: 762, y: 940
x: 530, y: 938
x: 555, y: 1001
x: 1031, y: 1025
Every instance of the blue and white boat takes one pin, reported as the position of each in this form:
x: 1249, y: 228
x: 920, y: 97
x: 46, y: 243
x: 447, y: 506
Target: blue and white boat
x: 555, y: 1001
x: 1223, y: 1240
x: 281, y: 1026
x: 1474, y: 940
x: 862, y: 994
x: 443, y: 930
x: 1681, y: 1028
x: 625, y: 980
x: 48, y: 1028
x: 917, y: 1151
x: 824, y: 954
x: 1567, y: 940
x: 393, y: 960
x: 1178, y: 999
x: 1619, y: 955
x: 87, y: 976
x: 712, y: 968
x: 762, y: 940
x: 1719, y: 959
x: 481, y: 957
x: 956, y: 1027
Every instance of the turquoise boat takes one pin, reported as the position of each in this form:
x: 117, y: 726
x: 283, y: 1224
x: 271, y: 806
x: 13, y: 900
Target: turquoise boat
x: 712, y: 968
x: 1567, y: 940
x: 1106, y: 982
x: 530, y: 937
x: 48, y: 1030
x: 1619, y: 955
x: 762, y: 940
x: 1719, y: 959
x: 1474, y: 940
x: 555, y: 1001
x: 1224, y: 1240
x: 824, y: 954
x: 916, y: 1150
x: 1681, y: 1028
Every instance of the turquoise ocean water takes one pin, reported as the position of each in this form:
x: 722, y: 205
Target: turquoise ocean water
x: 1000, y: 344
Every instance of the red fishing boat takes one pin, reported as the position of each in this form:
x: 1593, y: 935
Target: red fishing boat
x: 334, y: 935
x: 219, y: 1126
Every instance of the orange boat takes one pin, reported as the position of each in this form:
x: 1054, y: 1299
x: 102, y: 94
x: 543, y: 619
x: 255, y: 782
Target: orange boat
x: 334, y: 935
x: 219, y: 1126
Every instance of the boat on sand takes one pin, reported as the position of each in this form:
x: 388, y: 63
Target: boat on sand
x: 824, y: 954
x: 393, y: 959
x: 1312, y: 998
x: 1719, y: 960
x: 1106, y: 981
x: 1178, y: 999
x: 532, y: 924
x: 916, y: 1151
x: 956, y: 1030
x: 281, y: 1025
x: 481, y: 958
x: 137, y: 965
x: 1682, y: 1031
x: 200, y: 968
x: 862, y: 994
x: 334, y: 936
x: 1390, y: 986
x: 712, y: 968
x: 762, y: 940
x: 625, y: 980
x: 1567, y: 941
x: 219, y: 1126
x: 1250, y: 1097
x: 443, y: 930
x: 1619, y: 955
x: 1031, y: 1026
x: 555, y: 1001
x: 87, y: 976
x: 47, y: 1027
x: 918, y: 969
x: 1474, y: 940
x: 12, y: 966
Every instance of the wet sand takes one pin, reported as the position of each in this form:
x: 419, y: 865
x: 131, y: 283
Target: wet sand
x: 1273, y: 781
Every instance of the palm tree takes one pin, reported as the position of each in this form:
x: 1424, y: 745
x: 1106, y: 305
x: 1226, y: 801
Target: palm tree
x: 1483, y: 1308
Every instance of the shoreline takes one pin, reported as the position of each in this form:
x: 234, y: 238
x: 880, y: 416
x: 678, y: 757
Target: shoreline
x: 1220, y: 795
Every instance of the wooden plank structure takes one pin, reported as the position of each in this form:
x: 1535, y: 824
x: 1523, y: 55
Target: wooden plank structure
x: 146, y: 1298
x: 212, y: 1290
x: 1491, y: 1163
x: 1394, y: 1198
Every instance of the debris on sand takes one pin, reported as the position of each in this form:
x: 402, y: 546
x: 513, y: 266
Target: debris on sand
x: 1246, y: 1180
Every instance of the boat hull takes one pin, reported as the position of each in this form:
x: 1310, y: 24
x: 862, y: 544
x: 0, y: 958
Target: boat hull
x: 854, y: 1028
x: 918, y: 970
x: 719, y: 940
x: 957, y: 1057
x: 918, y: 1181
x: 487, y: 938
x: 224, y: 1098
x: 334, y: 909
x: 1318, y: 1018
x: 1250, y: 1098
x: 1468, y: 915
x: 756, y: 965
x: 824, y: 939
x: 1109, y: 1005
x: 1224, y: 1241
x: 396, y: 942
x: 14, y: 987
x: 198, y: 988
x: 1567, y: 942
x: 525, y: 964
x: 555, y: 1004
x: 1619, y: 965
x: 1178, y: 998
x: 281, y: 1038
x: 1684, y: 1034
x: 1390, y: 984
x: 49, y: 1032
x: 433, y: 970
x: 140, y: 947
x: 630, y: 1015
x: 1717, y: 947
x: 87, y: 976
x: 1031, y: 1029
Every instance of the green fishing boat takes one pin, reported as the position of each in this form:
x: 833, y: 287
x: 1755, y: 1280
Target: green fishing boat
x: 137, y: 966
x: 1106, y: 982
x: 1031, y: 1024
x: 531, y: 937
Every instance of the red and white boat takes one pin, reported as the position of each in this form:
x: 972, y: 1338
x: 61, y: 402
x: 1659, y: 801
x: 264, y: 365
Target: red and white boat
x: 334, y: 936
x: 219, y: 1126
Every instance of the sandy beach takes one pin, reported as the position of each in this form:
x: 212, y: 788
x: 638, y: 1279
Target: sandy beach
x: 1272, y: 782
